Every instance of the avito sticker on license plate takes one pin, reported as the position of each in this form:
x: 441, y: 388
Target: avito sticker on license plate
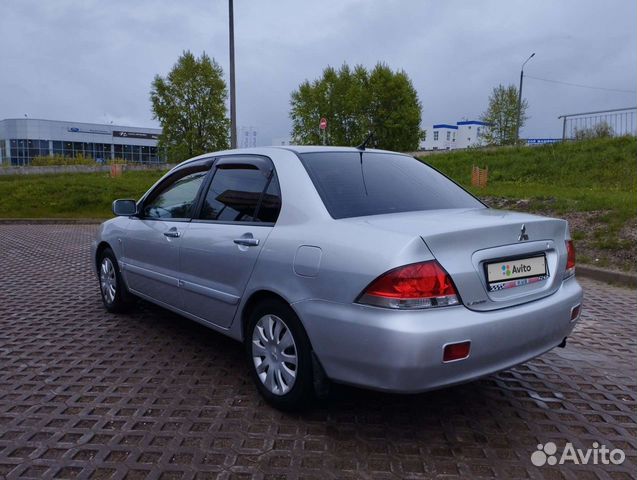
x: 515, y: 273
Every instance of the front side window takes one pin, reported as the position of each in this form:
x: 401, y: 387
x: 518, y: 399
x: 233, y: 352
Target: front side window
x: 176, y: 200
x: 242, y: 193
x: 354, y: 184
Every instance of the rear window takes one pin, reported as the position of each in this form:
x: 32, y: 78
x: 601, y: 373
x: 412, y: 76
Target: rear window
x: 354, y: 184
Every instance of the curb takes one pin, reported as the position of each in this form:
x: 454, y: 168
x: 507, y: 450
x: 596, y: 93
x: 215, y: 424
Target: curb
x: 608, y: 276
x: 51, y: 221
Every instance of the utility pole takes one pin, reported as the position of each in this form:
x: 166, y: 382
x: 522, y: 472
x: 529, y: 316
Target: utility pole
x: 517, y: 126
x: 233, y: 98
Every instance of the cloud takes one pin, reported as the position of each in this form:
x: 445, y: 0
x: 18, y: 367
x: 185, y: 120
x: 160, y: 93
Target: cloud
x: 94, y: 61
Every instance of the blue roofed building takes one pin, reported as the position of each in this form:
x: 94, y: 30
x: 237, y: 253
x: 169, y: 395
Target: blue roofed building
x: 463, y: 134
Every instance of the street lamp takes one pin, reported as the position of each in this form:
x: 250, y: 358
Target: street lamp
x: 233, y: 100
x: 517, y: 126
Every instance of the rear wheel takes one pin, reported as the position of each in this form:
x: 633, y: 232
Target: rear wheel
x: 115, y: 296
x: 279, y: 356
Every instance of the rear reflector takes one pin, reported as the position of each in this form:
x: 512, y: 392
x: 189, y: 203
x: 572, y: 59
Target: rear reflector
x: 456, y: 351
x: 419, y: 285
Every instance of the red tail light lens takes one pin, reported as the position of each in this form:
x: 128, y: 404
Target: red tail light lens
x: 419, y: 285
x: 570, y: 259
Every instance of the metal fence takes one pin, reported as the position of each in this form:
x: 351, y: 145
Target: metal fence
x: 618, y: 121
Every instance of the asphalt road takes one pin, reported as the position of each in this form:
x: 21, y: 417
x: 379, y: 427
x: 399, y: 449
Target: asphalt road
x: 87, y: 394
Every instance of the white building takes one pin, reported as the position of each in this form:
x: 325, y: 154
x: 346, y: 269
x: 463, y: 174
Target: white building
x: 464, y: 134
x: 23, y: 139
x: 247, y: 137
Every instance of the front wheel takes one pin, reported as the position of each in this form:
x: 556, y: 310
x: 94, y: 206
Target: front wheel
x: 115, y: 295
x: 279, y: 356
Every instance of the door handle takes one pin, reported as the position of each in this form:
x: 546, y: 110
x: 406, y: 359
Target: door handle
x: 172, y: 233
x: 247, y: 241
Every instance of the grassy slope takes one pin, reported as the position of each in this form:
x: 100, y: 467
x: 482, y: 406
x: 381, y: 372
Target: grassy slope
x: 595, y: 178
x: 588, y: 175
x: 79, y: 195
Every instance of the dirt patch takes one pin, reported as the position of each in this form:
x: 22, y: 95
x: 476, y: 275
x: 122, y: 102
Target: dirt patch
x: 596, y: 242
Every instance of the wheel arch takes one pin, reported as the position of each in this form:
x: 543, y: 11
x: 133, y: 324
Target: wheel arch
x: 103, y: 245
x: 257, y: 297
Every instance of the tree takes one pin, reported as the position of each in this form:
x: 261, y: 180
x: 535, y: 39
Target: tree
x: 356, y: 102
x: 190, y: 104
x: 502, y: 115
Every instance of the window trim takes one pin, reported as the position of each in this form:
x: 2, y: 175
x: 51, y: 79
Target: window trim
x: 179, y: 172
x: 261, y: 162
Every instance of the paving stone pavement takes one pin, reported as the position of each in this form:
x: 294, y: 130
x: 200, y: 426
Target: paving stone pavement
x: 87, y: 394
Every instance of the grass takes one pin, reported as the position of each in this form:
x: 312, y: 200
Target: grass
x: 591, y: 183
x: 77, y: 195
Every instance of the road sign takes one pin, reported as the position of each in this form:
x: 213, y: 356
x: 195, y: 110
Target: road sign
x: 323, y: 123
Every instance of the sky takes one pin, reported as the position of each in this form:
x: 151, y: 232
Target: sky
x: 94, y: 61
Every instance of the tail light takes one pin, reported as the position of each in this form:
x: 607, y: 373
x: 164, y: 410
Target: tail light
x: 419, y: 285
x: 570, y: 259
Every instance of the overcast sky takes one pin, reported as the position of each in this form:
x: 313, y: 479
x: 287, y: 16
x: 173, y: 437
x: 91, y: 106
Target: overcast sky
x: 94, y: 61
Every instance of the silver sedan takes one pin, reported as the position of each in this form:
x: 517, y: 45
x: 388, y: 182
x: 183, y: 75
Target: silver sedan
x: 363, y: 267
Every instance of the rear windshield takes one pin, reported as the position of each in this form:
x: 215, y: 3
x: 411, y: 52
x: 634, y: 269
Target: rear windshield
x: 354, y: 184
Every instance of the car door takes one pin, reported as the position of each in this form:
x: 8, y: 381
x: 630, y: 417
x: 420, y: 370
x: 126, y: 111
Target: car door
x: 151, y: 244
x: 219, y: 250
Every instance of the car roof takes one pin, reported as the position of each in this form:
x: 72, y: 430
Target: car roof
x: 298, y: 149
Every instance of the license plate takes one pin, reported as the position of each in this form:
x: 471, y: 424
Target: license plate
x: 510, y: 273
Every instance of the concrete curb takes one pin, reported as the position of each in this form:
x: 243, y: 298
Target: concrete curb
x: 608, y: 276
x: 51, y: 221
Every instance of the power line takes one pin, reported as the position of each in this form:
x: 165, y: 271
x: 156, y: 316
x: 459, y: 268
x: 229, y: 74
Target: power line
x: 580, y: 85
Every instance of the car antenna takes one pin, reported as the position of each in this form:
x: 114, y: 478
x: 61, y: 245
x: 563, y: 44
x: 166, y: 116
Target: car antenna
x: 363, y: 145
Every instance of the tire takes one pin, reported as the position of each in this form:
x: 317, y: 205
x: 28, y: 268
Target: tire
x: 115, y: 295
x: 274, y: 339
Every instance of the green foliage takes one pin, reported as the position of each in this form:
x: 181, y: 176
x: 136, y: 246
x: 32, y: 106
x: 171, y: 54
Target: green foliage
x: 502, y: 115
x: 355, y: 102
x: 600, y: 130
x: 190, y: 104
x: 118, y: 161
x: 54, y: 160
x: 70, y: 195
x: 605, y: 165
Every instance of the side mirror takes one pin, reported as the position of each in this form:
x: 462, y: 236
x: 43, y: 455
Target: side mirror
x: 124, y: 208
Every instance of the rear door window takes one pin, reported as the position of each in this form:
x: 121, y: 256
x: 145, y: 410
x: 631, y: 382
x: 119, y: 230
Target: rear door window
x: 354, y: 184
x: 242, y: 192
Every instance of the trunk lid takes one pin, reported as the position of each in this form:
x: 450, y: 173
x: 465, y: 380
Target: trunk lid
x: 464, y: 241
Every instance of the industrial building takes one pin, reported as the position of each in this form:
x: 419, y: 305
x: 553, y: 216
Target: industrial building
x: 22, y: 139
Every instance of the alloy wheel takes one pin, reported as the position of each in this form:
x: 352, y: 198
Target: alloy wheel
x: 108, y: 280
x: 274, y: 354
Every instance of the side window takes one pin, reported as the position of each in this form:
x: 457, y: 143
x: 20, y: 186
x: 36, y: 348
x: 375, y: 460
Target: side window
x: 242, y: 193
x: 175, y: 200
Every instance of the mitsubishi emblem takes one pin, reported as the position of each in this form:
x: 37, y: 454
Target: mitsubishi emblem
x: 523, y: 235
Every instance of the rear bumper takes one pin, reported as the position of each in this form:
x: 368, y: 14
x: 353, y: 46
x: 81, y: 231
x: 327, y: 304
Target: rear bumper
x: 401, y: 351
